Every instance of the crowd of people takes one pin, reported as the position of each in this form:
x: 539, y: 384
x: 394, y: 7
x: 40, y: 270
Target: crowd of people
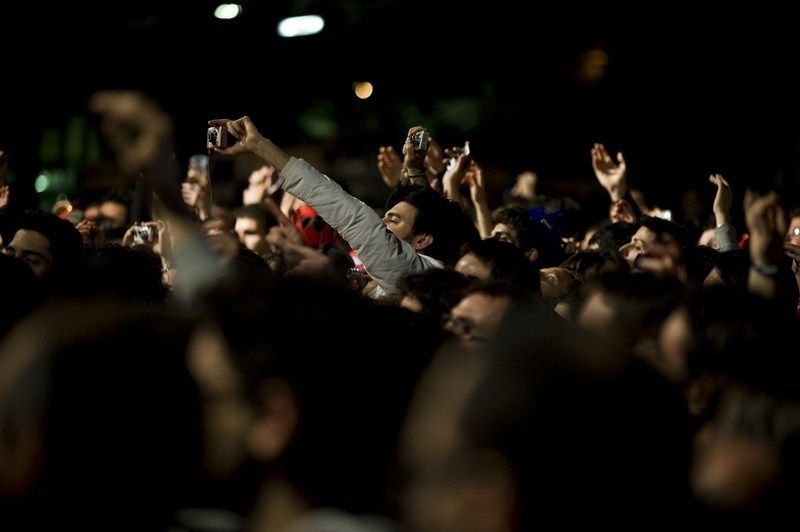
x: 302, y: 361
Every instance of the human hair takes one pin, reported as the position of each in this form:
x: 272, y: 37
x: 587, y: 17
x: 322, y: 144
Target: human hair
x: 529, y: 232
x: 586, y: 265
x: 20, y: 291
x: 128, y: 273
x: 613, y: 235
x: 65, y: 242
x: 447, y: 224
x: 664, y: 228
x: 259, y: 213
x: 105, y: 405
x: 350, y: 401
x: 506, y: 262
x: 438, y: 290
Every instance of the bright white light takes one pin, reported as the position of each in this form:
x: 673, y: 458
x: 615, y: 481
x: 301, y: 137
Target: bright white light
x: 227, y: 11
x: 363, y: 89
x: 299, y: 26
x: 42, y: 183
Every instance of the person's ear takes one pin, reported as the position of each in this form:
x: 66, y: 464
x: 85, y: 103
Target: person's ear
x: 277, y: 418
x: 532, y: 254
x: 421, y: 241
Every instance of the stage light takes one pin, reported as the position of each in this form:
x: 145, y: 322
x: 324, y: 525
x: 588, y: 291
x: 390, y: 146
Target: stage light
x: 227, y: 11
x: 300, y: 26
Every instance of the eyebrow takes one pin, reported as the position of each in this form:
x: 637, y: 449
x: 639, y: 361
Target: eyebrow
x: 30, y: 254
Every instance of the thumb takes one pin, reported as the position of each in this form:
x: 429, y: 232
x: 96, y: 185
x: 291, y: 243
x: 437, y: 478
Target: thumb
x: 620, y: 158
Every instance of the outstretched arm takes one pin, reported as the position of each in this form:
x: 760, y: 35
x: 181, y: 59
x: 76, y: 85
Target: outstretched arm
x: 386, y: 257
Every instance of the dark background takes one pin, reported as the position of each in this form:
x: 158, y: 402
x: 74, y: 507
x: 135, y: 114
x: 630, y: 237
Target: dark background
x: 683, y: 93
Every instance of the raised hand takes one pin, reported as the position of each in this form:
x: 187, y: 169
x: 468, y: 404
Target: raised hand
x: 134, y: 126
x: 611, y: 175
x: 260, y: 182
x: 88, y: 231
x: 191, y: 193
x: 723, y: 200
x: 243, y: 130
x: 390, y: 166
x: 454, y: 176
x: 5, y: 197
x: 434, y: 159
x: 475, y: 181
x: 414, y: 160
x: 525, y: 187
x: 767, y: 221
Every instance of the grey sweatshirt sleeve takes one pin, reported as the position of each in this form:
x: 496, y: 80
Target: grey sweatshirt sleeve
x: 726, y: 237
x: 386, y: 258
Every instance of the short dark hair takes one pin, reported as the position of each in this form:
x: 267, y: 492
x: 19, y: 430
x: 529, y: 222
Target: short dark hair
x: 257, y: 212
x: 449, y: 226
x: 507, y: 263
x: 665, y: 227
x: 529, y: 231
x: 66, y: 243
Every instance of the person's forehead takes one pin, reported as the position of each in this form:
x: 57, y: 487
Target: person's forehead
x: 245, y: 222
x: 644, y: 234
x: 479, y: 304
x: 404, y: 209
x: 503, y: 228
x: 30, y: 239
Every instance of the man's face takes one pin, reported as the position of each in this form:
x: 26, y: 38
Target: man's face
x: 400, y: 220
x: 505, y: 233
x: 637, y: 245
x: 471, y: 266
x: 197, y: 176
x: 252, y: 235
x: 478, y: 316
x: 32, y: 248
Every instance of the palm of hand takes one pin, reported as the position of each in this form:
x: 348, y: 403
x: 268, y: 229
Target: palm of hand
x: 609, y: 173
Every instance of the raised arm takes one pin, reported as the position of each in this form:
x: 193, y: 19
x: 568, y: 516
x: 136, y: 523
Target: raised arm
x: 611, y: 175
x: 386, y: 257
x: 724, y: 232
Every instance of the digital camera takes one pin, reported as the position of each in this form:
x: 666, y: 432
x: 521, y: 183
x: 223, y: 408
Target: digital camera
x: 419, y: 141
x: 144, y: 234
x: 217, y: 137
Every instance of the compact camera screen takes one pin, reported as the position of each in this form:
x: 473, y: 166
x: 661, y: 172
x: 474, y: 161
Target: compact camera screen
x: 144, y: 234
x: 217, y: 137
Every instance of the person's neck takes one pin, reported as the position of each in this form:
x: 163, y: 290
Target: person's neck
x: 278, y: 505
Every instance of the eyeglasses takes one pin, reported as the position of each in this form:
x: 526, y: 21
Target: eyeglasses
x: 463, y: 327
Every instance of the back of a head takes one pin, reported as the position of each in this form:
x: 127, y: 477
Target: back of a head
x: 20, y: 292
x: 591, y: 436
x: 133, y: 274
x: 507, y: 263
x: 100, y: 416
x: 350, y: 396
